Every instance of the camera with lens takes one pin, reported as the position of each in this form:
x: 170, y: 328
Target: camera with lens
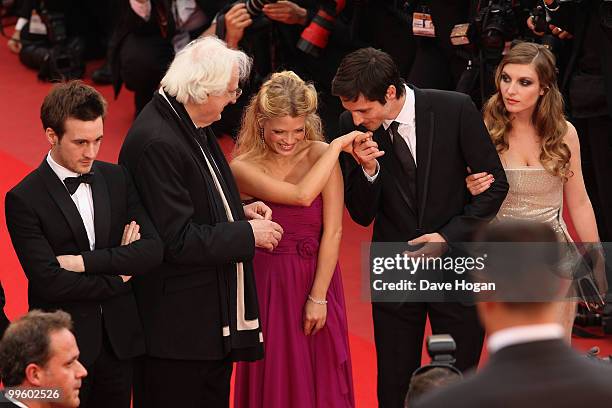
x: 55, y: 55
x: 495, y: 25
x: 56, y: 26
x: 315, y: 37
x: 441, y: 348
x: 541, y: 23
x: 255, y: 7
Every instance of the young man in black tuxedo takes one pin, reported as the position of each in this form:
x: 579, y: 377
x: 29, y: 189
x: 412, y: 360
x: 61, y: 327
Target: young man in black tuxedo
x: 414, y: 192
x: 80, y: 234
x: 530, y: 364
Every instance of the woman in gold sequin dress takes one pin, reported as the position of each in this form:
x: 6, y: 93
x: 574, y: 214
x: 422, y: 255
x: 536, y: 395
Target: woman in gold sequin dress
x: 539, y: 150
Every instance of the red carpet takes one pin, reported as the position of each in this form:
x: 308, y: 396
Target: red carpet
x: 23, y: 146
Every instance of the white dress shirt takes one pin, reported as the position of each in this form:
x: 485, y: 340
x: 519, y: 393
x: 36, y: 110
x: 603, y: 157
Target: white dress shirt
x: 82, y: 198
x: 524, y: 334
x: 407, y: 128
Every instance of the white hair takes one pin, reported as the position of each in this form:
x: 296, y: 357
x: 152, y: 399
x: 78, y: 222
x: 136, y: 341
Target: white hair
x: 204, y: 67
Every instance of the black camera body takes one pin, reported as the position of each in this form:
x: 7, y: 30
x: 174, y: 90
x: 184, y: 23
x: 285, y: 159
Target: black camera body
x: 56, y: 56
x: 255, y: 7
x: 56, y: 26
x: 441, y: 348
x: 496, y: 24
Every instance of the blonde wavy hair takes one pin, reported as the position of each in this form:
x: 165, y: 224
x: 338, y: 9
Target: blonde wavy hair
x: 284, y: 94
x: 548, y: 117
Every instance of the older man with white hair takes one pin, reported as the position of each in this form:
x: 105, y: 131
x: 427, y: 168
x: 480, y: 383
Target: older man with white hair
x: 199, y: 308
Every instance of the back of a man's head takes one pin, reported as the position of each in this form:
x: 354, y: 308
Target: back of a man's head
x: 368, y: 72
x: 427, y: 381
x: 523, y: 259
x: 39, y: 350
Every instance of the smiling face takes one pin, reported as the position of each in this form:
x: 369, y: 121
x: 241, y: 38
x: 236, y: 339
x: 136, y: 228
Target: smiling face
x: 78, y: 147
x: 283, y: 135
x: 520, y: 88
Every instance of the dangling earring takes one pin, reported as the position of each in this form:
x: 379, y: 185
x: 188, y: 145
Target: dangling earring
x: 261, y: 138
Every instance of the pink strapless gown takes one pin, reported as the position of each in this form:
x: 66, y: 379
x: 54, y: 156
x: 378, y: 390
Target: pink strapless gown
x: 297, y: 371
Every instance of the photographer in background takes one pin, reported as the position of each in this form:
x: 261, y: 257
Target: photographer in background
x: 437, y: 64
x: 484, y: 39
x: 586, y: 28
x: 309, y: 37
x: 439, y: 373
x: 396, y: 39
x: 147, y: 36
x: 55, y: 37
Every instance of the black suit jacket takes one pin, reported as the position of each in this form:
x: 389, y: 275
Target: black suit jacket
x: 131, y: 23
x: 43, y: 223
x: 537, y: 374
x: 575, y: 18
x: 450, y: 135
x: 4, y: 321
x: 183, y: 297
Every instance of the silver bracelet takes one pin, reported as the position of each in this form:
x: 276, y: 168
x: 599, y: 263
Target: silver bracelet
x: 316, y: 301
x: 552, y: 5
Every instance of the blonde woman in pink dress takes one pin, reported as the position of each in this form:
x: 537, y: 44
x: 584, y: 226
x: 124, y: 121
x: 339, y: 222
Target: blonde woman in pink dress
x: 281, y: 159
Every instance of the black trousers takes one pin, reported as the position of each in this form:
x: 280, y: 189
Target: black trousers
x: 108, y: 382
x: 398, y: 334
x: 144, y: 60
x: 163, y: 383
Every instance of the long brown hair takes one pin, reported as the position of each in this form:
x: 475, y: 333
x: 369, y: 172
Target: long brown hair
x: 548, y: 118
x: 284, y: 94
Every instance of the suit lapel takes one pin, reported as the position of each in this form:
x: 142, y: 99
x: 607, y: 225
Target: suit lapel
x: 102, y: 208
x: 424, y: 146
x: 186, y: 136
x: 60, y: 195
x: 381, y: 136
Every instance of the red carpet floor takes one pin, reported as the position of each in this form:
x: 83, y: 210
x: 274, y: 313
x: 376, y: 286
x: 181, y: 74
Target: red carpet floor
x: 23, y: 146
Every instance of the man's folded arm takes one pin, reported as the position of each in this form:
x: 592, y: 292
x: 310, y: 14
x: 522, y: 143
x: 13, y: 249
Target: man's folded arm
x: 39, y: 262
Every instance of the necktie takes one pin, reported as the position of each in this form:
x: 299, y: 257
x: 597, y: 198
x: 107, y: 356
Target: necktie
x: 404, y: 156
x: 73, y: 183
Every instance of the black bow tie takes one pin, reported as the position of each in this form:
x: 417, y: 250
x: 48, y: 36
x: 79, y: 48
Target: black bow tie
x: 73, y: 183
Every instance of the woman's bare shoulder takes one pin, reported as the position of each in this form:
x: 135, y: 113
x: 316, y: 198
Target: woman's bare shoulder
x: 571, y: 136
x: 316, y: 148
